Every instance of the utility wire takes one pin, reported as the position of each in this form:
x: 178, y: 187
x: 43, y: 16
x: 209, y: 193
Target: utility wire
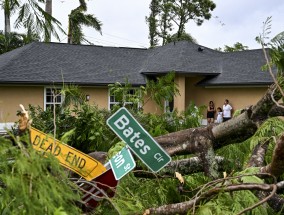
x: 114, y: 42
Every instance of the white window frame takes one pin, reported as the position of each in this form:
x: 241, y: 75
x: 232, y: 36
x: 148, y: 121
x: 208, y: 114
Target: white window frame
x: 166, y: 105
x: 51, y: 103
x: 110, y: 103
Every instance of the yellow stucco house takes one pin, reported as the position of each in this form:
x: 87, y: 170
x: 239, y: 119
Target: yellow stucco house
x: 28, y: 74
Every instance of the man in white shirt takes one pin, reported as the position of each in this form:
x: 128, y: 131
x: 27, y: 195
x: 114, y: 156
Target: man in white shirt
x: 227, y: 111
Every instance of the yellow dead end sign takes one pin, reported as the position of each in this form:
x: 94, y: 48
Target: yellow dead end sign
x: 71, y: 158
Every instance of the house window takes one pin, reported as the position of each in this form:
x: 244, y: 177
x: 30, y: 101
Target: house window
x: 127, y: 99
x: 169, y: 106
x: 52, y: 96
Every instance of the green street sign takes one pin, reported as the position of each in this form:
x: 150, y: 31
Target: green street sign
x: 139, y: 141
x: 122, y: 163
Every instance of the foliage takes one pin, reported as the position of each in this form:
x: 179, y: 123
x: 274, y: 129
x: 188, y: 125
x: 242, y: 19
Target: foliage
x: 158, y: 89
x: 127, y: 96
x: 13, y: 40
x: 72, y: 96
x: 115, y: 149
x: 31, y: 16
x: 136, y: 194
x: 165, y: 14
x: 183, y: 37
x: 33, y: 184
x: 231, y: 204
x: 276, y: 48
x: 236, y: 47
x: 77, y: 18
x: 184, y: 10
x: 83, y: 127
x: 275, y: 45
x: 237, y: 112
x: 270, y: 129
x: 152, y: 22
x: 161, y: 89
x: 168, y: 122
x: 43, y: 120
x: 90, y: 132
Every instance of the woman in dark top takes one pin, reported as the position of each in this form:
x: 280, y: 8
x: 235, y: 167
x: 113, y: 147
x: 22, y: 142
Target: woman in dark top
x: 211, y: 112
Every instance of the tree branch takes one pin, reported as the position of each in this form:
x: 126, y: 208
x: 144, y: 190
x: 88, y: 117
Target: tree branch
x: 184, y: 207
x: 258, y: 154
x: 183, y: 166
x: 276, y: 167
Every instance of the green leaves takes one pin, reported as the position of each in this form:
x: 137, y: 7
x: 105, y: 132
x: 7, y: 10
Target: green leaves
x: 167, y: 13
x: 77, y: 18
x: 33, y: 184
x: 162, y: 89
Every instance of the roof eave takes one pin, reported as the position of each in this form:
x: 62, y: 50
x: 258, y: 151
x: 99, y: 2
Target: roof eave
x: 240, y: 84
x: 26, y: 83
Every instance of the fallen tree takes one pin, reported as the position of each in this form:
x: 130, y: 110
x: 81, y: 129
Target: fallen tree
x: 204, y: 141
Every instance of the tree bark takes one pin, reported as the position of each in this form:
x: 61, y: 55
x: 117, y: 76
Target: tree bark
x: 276, y: 167
x: 258, y: 155
x: 48, y: 9
x: 7, y: 22
x: 183, y: 166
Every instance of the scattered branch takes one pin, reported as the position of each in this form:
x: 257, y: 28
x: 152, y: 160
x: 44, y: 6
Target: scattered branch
x: 276, y: 167
x: 220, y: 186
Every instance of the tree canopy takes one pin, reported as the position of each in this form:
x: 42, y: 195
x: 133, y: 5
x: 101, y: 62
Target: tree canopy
x: 167, y: 15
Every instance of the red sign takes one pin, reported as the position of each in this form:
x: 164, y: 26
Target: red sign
x: 98, y: 189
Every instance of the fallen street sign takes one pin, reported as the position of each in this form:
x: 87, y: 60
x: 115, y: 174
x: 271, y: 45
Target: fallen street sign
x: 122, y: 163
x: 69, y: 157
x: 139, y: 141
x: 100, y: 188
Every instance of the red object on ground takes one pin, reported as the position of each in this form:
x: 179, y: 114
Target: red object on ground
x: 105, y: 184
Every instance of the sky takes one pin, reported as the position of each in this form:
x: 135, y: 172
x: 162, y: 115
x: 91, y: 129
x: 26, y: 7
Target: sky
x: 124, y: 22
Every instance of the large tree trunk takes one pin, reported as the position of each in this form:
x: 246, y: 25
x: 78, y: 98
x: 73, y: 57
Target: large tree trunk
x: 7, y: 23
x: 48, y: 9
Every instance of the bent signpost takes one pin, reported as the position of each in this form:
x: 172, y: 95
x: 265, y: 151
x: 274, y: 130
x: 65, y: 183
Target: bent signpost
x: 69, y: 157
x: 138, y: 139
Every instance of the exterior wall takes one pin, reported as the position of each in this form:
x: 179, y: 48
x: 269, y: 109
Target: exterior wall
x: 239, y: 97
x: 151, y: 107
x: 98, y: 96
x: 12, y: 96
x: 179, y: 100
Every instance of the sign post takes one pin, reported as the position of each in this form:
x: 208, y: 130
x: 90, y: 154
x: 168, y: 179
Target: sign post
x: 138, y: 139
x: 122, y: 163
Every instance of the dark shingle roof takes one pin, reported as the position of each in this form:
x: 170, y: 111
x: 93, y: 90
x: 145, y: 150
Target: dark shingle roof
x: 45, y: 63
x: 183, y: 57
x: 240, y: 68
x: 54, y: 62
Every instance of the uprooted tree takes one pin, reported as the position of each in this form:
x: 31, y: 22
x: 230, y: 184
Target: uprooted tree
x: 203, y: 142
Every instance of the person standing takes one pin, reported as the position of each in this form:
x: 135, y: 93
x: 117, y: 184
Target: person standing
x: 227, y: 111
x: 219, y: 115
x: 211, y: 112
